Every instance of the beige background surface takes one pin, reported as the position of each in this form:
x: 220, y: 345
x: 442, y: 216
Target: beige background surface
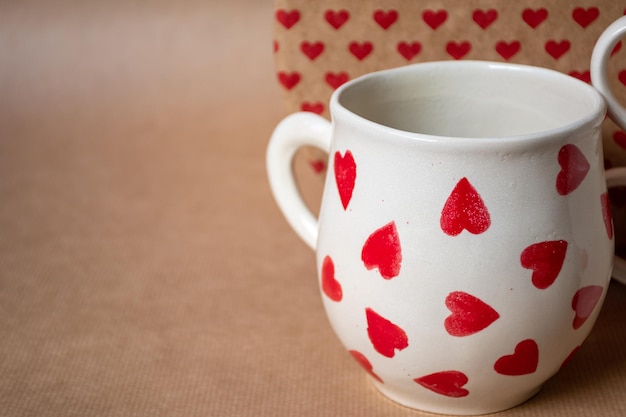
x: 144, y: 267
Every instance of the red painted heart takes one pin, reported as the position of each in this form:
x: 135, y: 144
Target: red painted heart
x: 522, y: 362
x: 385, y: 18
x: 620, y: 136
x: 385, y: 336
x: 585, y: 17
x: 434, y: 18
x: 574, y: 169
x: 458, y: 50
x: 382, y: 250
x: 312, y: 49
x: 448, y: 383
x: 605, y: 202
x: 464, y: 210
x: 484, y: 18
x: 365, y: 363
x: 336, y: 18
x: 557, y: 49
x: 469, y: 314
x: 345, y: 176
x: 409, y: 50
x: 622, y: 77
x: 584, y: 302
x: 546, y: 260
x: 361, y: 50
x: 508, y: 49
x: 534, y: 18
x: 287, y: 18
x: 330, y: 286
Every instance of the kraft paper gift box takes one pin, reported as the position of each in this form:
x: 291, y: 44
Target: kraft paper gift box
x: 319, y: 45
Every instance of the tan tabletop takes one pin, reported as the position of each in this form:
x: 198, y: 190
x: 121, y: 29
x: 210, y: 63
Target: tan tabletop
x: 144, y: 267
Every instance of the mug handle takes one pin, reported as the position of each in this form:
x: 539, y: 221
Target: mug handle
x: 599, y: 69
x: 292, y: 133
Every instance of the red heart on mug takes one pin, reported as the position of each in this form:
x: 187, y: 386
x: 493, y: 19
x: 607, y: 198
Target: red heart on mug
x: 508, y: 49
x: 469, y: 314
x: 574, y: 169
x: 557, y: 49
x: 330, y: 286
x: 458, y: 50
x: 448, y: 383
x: 409, y: 50
x: 522, y: 362
x: 605, y: 202
x: 464, y: 209
x: 312, y: 49
x: 382, y: 250
x: 385, y: 336
x: 335, y: 80
x: 365, y: 363
x: 345, y: 176
x: 361, y: 50
x: 585, y: 17
x: 584, y: 302
x: 546, y: 260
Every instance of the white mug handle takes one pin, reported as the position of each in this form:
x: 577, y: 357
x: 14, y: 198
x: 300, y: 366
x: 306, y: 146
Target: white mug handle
x: 599, y: 69
x: 292, y: 133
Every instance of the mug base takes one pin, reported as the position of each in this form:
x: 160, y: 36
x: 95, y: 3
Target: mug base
x: 451, y: 406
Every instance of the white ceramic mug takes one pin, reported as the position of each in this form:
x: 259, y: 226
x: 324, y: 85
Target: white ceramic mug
x: 464, y: 243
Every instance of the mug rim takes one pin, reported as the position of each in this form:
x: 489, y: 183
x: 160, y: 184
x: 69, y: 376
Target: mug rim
x: 595, y: 117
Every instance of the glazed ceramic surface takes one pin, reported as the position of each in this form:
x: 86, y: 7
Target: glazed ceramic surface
x: 464, y: 243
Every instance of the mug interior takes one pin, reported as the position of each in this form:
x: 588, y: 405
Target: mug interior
x: 472, y: 99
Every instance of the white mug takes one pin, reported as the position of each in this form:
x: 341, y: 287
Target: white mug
x: 464, y: 243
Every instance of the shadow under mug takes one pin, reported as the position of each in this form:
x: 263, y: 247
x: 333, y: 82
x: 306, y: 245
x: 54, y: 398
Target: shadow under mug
x: 464, y: 243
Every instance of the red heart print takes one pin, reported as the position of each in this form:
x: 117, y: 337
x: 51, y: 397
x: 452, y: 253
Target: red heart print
x: 335, y: 80
x: 345, y: 176
x: 330, y: 286
x: 385, y: 336
x: 622, y: 77
x: 484, y: 18
x: 585, y: 17
x: 276, y: 46
x: 522, y: 362
x: 385, y: 18
x: 361, y: 50
x: 469, y: 314
x: 582, y: 76
x: 312, y: 49
x: 508, y: 49
x: 317, y: 165
x: 574, y: 169
x: 616, y: 49
x: 534, y: 18
x: 366, y: 364
x: 317, y: 107
x: 382, y: 250
x: 458, y: 50
x: 448, y: 383
x: 605, y: 202
x: 620, y: 138
x: 557, y: 49
x: 289, y: 79
x: 546, y: 260
x: 336, y: 18
x: 409, y: 50
x: 434, y: 18
x: 584, y: 302
x: 464, y: 209
x: 287, y: 18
